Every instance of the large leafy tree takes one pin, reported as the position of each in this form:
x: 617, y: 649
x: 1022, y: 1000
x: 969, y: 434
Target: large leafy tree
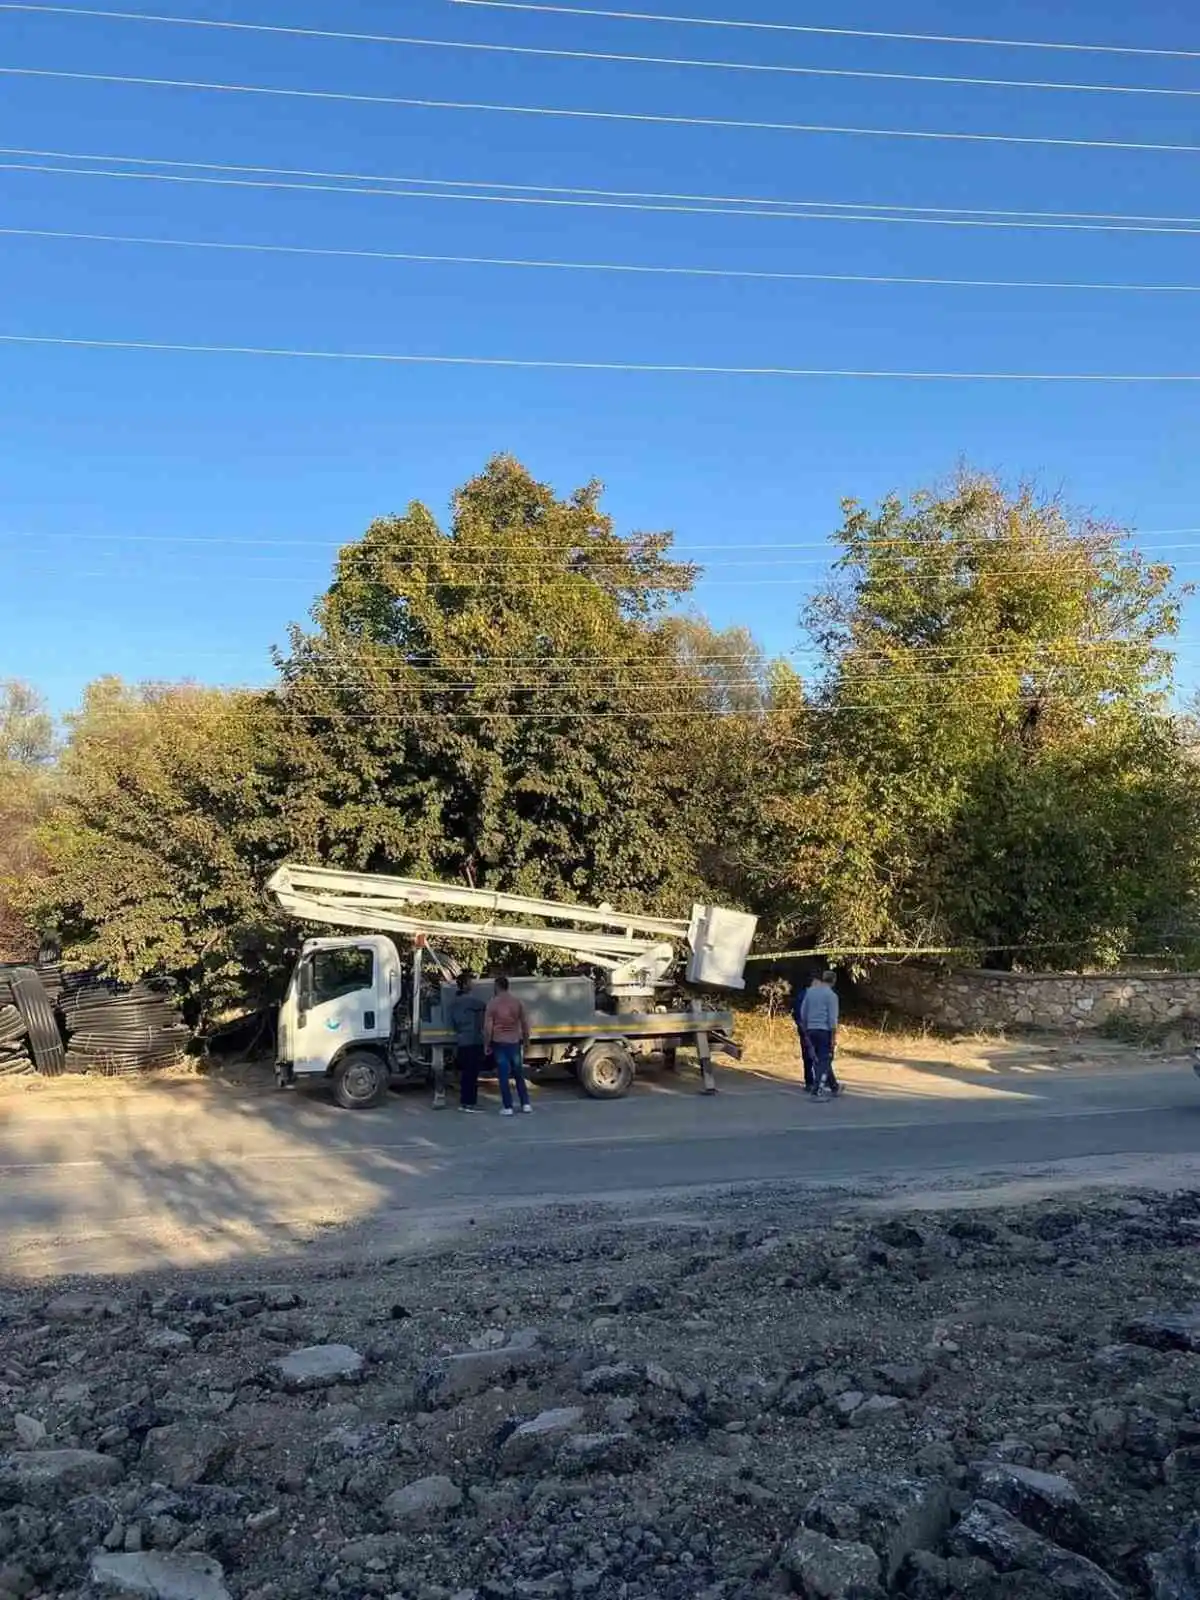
x: 502, y: 702
x: 989, y: 758
x: 170, y: 812
x: 26, y: 791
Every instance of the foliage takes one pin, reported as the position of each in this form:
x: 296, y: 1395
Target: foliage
x: 26, y: 728
x: 989, y: 758
x: 169, y: 818
x: 729, y: 659
x: 518, y: 700
x: 26, y: 789
x: 499, y: 702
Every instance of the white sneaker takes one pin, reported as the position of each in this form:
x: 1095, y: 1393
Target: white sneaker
x: 526, y: 1109
x: 506, y: 1111
x: 470, y: 1109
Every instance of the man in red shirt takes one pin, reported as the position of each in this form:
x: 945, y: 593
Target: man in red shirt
x: 505, y: 1034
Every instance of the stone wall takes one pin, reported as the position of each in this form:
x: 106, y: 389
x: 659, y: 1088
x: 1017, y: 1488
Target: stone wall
x: 976, y: 1001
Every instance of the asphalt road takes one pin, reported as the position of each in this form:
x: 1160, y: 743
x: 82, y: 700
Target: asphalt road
x: 110, y: 1178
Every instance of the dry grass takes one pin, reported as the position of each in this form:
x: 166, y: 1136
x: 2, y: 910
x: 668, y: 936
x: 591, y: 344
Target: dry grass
x: 771, y: 1038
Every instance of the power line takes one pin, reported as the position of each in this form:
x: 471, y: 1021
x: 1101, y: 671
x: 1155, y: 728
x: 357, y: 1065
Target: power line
x: 841, y: 33
x: 634, y: 714
x: 609, y: 56
x: 393, y: 358
x: 627, y: 268
x: 673, y: 679
x: 741, y: 202
x: 682, y: 554
x: 498, y: 583
x: 841, y: 213
x: 328, y: 665
x: 459, y: 570
x: 577, y: 113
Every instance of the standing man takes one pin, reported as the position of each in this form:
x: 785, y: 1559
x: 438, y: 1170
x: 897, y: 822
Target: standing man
x: 467, y: 1010
x: 806, y: 1050
x: 819, y: 1020
x: 505, y: 1034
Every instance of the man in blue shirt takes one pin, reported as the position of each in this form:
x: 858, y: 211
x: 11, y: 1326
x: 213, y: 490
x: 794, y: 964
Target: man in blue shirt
x: 819, y: 1023
x: 806, y: 1054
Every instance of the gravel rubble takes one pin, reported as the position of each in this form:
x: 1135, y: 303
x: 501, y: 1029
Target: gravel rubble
x: 954, y: 1405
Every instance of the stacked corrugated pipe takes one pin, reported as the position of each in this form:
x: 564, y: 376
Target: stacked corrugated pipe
x: 51, y: 1022
x: 30, y: 1035
x: 119, y: 1029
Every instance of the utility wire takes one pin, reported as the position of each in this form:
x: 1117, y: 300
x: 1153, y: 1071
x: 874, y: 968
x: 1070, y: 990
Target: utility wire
x: 681, y: 677
x: 337, y: 715
x: 491, y: 584
x: 610, y: 56
x: 839, y: 33
x: 842, y: 214
x: 629, y: 269
x: 741, y: 202
x: 580, y: 114
x: 682, y: 555
x: 328, y: 662
x: 163, y: 347
x: 494, y: 572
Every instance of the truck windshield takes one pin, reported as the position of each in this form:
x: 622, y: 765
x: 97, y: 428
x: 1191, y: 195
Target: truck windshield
x: 340, y: 972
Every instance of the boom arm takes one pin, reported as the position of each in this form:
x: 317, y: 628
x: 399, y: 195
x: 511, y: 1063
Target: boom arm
x: 636, y: 950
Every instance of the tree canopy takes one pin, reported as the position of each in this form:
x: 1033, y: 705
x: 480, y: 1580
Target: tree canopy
x: 990, y: 759
x: 522, y: 698
x: 26, y: 789
x: 502, y: 702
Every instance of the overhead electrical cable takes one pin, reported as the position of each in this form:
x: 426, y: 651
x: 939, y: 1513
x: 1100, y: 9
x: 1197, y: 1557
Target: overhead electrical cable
x: 409, y: 41
x: 682, y: 554
x: 988, y: 42
x: 740, y: 201
x: 537, y: 363
x: 460, y: 569
x: 636, y: 269
x: 664, y: 119
x: 1034, y: 221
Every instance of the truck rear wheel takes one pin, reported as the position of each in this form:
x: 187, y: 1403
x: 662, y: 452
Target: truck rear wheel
x: 360, y: 1081
x: 606, y: 1071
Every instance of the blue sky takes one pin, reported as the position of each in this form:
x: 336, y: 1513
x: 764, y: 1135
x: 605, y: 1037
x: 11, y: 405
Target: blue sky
x: 166, y: 515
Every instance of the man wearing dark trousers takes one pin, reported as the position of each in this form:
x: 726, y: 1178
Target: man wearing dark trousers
x: 466, y: 1018
x: 819, y: 1020
x: 806, y: 1051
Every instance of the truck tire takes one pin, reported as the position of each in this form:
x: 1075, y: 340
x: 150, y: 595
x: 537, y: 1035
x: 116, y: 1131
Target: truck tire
x: 360, y: 1081
x: 606, y: 1071
x: 45, y: 1041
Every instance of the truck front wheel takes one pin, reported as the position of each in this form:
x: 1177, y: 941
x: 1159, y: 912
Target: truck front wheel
x: 606, y: 1071
x: 360, y: 1081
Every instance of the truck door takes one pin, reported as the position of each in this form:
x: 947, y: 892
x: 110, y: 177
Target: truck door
x: 336, y: 1004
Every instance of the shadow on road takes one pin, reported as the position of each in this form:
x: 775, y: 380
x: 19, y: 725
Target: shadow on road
x: 175, y: 1171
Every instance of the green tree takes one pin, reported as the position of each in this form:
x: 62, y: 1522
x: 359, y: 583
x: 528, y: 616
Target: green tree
x: 730, y: 660
x: 26, y: 728
x: 169, y: 817
x: 990, y: 761
x: 502, y: 702
x: 26, y: 794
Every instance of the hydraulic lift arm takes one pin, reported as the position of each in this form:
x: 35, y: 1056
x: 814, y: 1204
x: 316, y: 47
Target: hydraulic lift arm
x: 637, y: 951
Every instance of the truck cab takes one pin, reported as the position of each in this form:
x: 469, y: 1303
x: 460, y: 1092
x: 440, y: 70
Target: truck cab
x: 341, y: 1001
